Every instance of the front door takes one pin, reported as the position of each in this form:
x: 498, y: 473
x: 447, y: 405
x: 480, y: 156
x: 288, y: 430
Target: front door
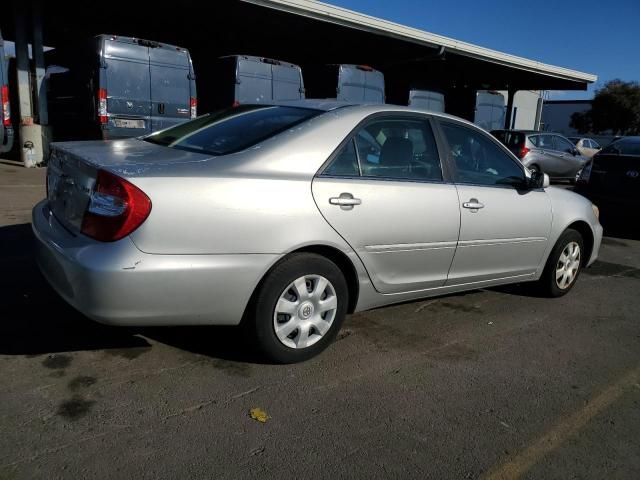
x: 504, y: 227
x: 383, y: 192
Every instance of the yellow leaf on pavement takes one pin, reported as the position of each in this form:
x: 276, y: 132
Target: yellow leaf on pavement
x: 259, y: 415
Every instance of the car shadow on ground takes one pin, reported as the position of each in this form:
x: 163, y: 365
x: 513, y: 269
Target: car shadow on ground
x: 34, y: 320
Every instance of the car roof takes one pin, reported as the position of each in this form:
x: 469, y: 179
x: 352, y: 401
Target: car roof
x: 329, y: 104
x: 527, y: 132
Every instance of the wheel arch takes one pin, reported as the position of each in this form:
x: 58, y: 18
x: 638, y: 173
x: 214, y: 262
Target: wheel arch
x: 343, y: 263
x: 585, y: 231
x: 339, y: 258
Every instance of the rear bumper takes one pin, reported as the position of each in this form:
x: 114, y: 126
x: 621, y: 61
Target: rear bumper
x: 115, y: 283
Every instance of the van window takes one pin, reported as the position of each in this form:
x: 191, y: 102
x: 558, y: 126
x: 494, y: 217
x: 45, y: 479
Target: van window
x: 233, y: 129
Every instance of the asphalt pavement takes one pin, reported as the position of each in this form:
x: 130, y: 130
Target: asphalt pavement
x: 491, y: 384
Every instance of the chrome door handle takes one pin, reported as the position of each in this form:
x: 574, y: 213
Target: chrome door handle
x: 474, y: 205
x: 345, y: 200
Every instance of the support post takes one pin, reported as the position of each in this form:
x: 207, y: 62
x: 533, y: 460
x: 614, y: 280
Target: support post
x: 22, y: 64
x: 38, y: 65
x: 507, y: 119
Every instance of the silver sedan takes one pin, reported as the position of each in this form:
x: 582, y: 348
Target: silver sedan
x: 285, y: 218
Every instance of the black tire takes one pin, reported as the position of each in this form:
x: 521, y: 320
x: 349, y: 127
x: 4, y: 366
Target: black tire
x: 259, y: 323
x: 534, y: 168
x: 547, y: 284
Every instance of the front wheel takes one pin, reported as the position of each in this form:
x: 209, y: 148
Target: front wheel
x: 563, y: 265
x: 299, y: 308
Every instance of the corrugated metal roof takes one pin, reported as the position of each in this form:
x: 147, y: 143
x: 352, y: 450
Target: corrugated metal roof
x: 348, y: 18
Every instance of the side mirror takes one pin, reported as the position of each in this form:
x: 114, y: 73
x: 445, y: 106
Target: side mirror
x: 575, y: 152
x: 539, y: 180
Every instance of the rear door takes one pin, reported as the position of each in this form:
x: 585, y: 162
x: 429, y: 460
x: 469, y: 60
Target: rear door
x: 287, y: 82
x: 374, y: 87
x: 170, y: 86
x: 128, y: 88
x: 426, y: 99
x: 360, y: 84
x: 383, y: 192
x: 490, y: 110
x: 254, y: 81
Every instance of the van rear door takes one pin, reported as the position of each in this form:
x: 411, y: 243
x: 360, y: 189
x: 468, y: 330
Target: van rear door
x: 170, y: 85
x: 490, y: 110
x: 253, y: 81
x: 127, y: 84
x: 426, y: 99
x: 360, y: 84
x: 287, y: 81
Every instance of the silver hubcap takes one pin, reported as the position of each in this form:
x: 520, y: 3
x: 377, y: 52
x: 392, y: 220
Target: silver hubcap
x: 305, y: 311
x: 568, y: 265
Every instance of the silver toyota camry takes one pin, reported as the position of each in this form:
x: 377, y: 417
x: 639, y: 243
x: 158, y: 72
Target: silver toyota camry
x: 285, y: 218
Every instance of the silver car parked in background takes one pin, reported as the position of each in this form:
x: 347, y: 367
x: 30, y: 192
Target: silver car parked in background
x: 545, y: 152
x: 285, y: 218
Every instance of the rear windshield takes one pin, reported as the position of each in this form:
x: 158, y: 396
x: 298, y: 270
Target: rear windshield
x: 623, y: 147
x: 233, y: 129
x: 510, y: 139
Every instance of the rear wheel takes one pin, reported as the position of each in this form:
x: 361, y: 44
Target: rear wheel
x: 298, y: 309
x: 534, y: 168
x: 563, y: 265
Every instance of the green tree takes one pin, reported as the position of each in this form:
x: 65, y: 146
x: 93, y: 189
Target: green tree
x: 615, y: 110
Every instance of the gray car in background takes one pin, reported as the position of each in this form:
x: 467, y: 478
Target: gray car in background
x: 550, y: 153
x: 285, y: 218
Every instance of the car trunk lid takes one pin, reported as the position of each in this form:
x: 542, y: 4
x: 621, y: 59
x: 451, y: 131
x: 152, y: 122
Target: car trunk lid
x: 615, y: 175
x: 73, y: 168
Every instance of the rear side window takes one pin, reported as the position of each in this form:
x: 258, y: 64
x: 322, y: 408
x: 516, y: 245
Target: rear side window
x: 390, y: 148
x: 544, y: 141
x: 514, y: 139
x: 233, y: 129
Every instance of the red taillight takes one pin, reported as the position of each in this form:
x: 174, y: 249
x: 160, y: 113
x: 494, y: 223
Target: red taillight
x: 193, y: 105
x: 102, y: 105
x: 235, y: 104
x: 117, y: 208
x: 365, y: 68
x: 6, y: 107
x: 523, y: 152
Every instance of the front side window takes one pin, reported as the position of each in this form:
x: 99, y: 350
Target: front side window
x: 233, y: 129
x: 479, y: 160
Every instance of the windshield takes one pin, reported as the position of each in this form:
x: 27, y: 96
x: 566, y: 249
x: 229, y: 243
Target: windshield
x: 233, y: 129
x: 625, y: 146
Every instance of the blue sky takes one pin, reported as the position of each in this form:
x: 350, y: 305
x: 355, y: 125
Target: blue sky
x: 582, y: 35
